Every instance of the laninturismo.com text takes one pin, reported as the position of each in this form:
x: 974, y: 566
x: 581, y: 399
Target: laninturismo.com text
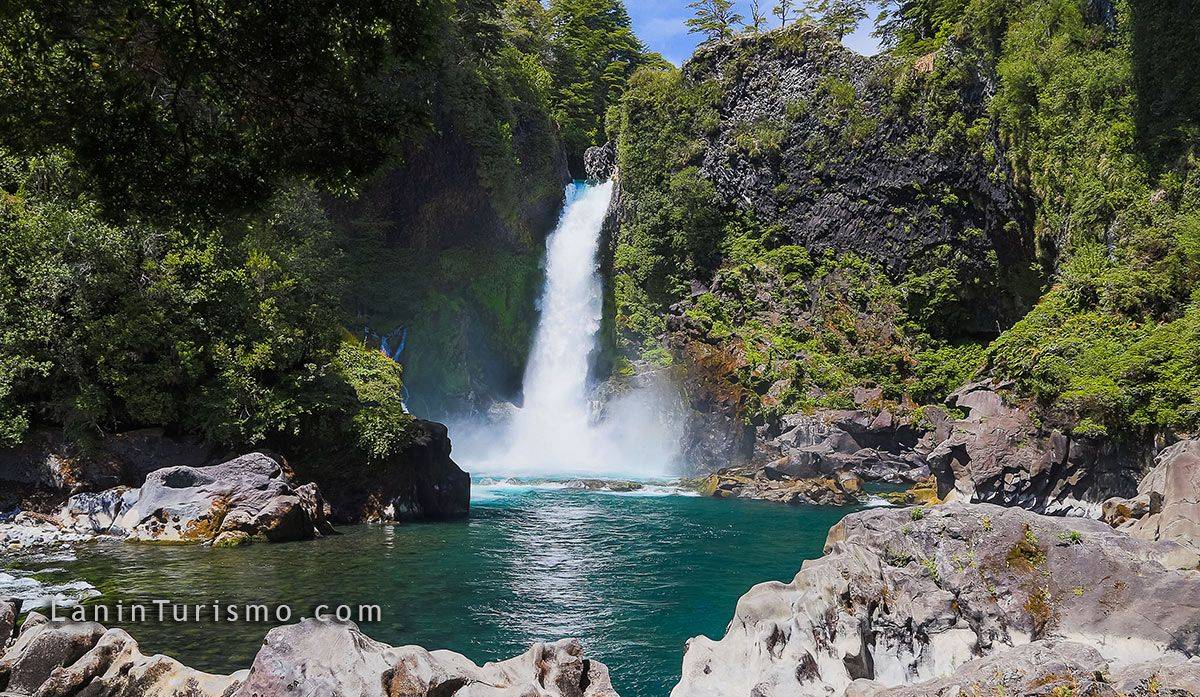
x: 164, y: 611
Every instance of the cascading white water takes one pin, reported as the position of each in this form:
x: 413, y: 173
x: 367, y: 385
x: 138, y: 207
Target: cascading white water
x: 554, y: 432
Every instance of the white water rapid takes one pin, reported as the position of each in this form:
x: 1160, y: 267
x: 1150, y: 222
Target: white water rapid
x: 557, y: 432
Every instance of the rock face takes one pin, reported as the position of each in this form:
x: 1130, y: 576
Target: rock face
x: 46, y: 468
x: 1167, y: 505
x: 310, y: 659
x: 907, y: 596
x: 771, y: 484
x: 874, y: 446
x: 600, y: 163
x: 249, y: 497
x: 1052, y: 668
x: 420, y: 483
x: 871, y: 188
x: 997, y: 454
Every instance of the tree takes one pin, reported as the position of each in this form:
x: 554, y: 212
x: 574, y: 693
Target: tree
x: 202, y: 105
x: 784, y: 10
x: 593, y: 53
x: 713, y: 18
x: 527, y: 25
x: 479, y: 24
x: 757, y: 19
x: 839, y: 17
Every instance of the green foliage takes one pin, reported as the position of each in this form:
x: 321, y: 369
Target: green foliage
x: 593, y: 54
x: 380, y: 426
x: 226, y: 332
x: 207, y: 105
x: 715, y: 19
x: 839, y: 17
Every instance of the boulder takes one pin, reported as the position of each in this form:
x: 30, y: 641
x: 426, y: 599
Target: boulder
x: 318, y: 658
x: 41, y: 647
x: 1167, y: 504
x: 56, y: 659
x: 905, y: 596
x: 10, y: 610
x: 250, y: 494
x: 773, y: 484
x: 1051, y: 668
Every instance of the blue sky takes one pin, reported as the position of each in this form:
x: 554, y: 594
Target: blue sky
x: 660, y: 23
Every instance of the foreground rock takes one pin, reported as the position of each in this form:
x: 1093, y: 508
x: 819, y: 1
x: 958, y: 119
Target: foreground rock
x: 908, y: 596
x: 309, y: 659
x: 247, y: 498
x: 1052, y: 668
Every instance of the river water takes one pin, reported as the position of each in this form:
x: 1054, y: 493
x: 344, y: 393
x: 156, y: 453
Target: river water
x: 631, y: 575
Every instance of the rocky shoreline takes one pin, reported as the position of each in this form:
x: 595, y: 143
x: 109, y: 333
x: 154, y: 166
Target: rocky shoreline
x: 985, y: 598
x: 316, y: 658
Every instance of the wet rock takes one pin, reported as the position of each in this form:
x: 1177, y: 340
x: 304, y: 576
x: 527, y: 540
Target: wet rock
x: 772, y: 484
x: 910, y: 595
x: 420, y: 483
x: 600, y: 163
x: 604, y: 485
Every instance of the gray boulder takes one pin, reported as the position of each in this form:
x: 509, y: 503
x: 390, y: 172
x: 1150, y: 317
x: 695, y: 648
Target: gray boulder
x: 906, y: 596
x: 42, y: 647
x: 10, y: 610
x: 320, y: 658
x: 249, y: 495
x: 55, y: 659
x: 999, y: 454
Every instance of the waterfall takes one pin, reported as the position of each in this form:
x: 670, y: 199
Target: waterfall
x: 556, y: 431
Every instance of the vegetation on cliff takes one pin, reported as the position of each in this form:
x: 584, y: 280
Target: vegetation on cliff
x: 1086, y: 145
x: 187, y: 218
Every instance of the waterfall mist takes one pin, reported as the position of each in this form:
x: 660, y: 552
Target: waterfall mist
x: 561, y: 429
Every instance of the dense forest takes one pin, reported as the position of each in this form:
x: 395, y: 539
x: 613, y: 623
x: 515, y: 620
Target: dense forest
x: 182, y: 188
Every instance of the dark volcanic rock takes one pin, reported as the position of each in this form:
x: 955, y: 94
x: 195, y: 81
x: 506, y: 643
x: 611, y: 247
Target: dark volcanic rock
x: 420, y: 483
x: 46, y: 469
x: 600, y: 162
x: 812, y: 137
